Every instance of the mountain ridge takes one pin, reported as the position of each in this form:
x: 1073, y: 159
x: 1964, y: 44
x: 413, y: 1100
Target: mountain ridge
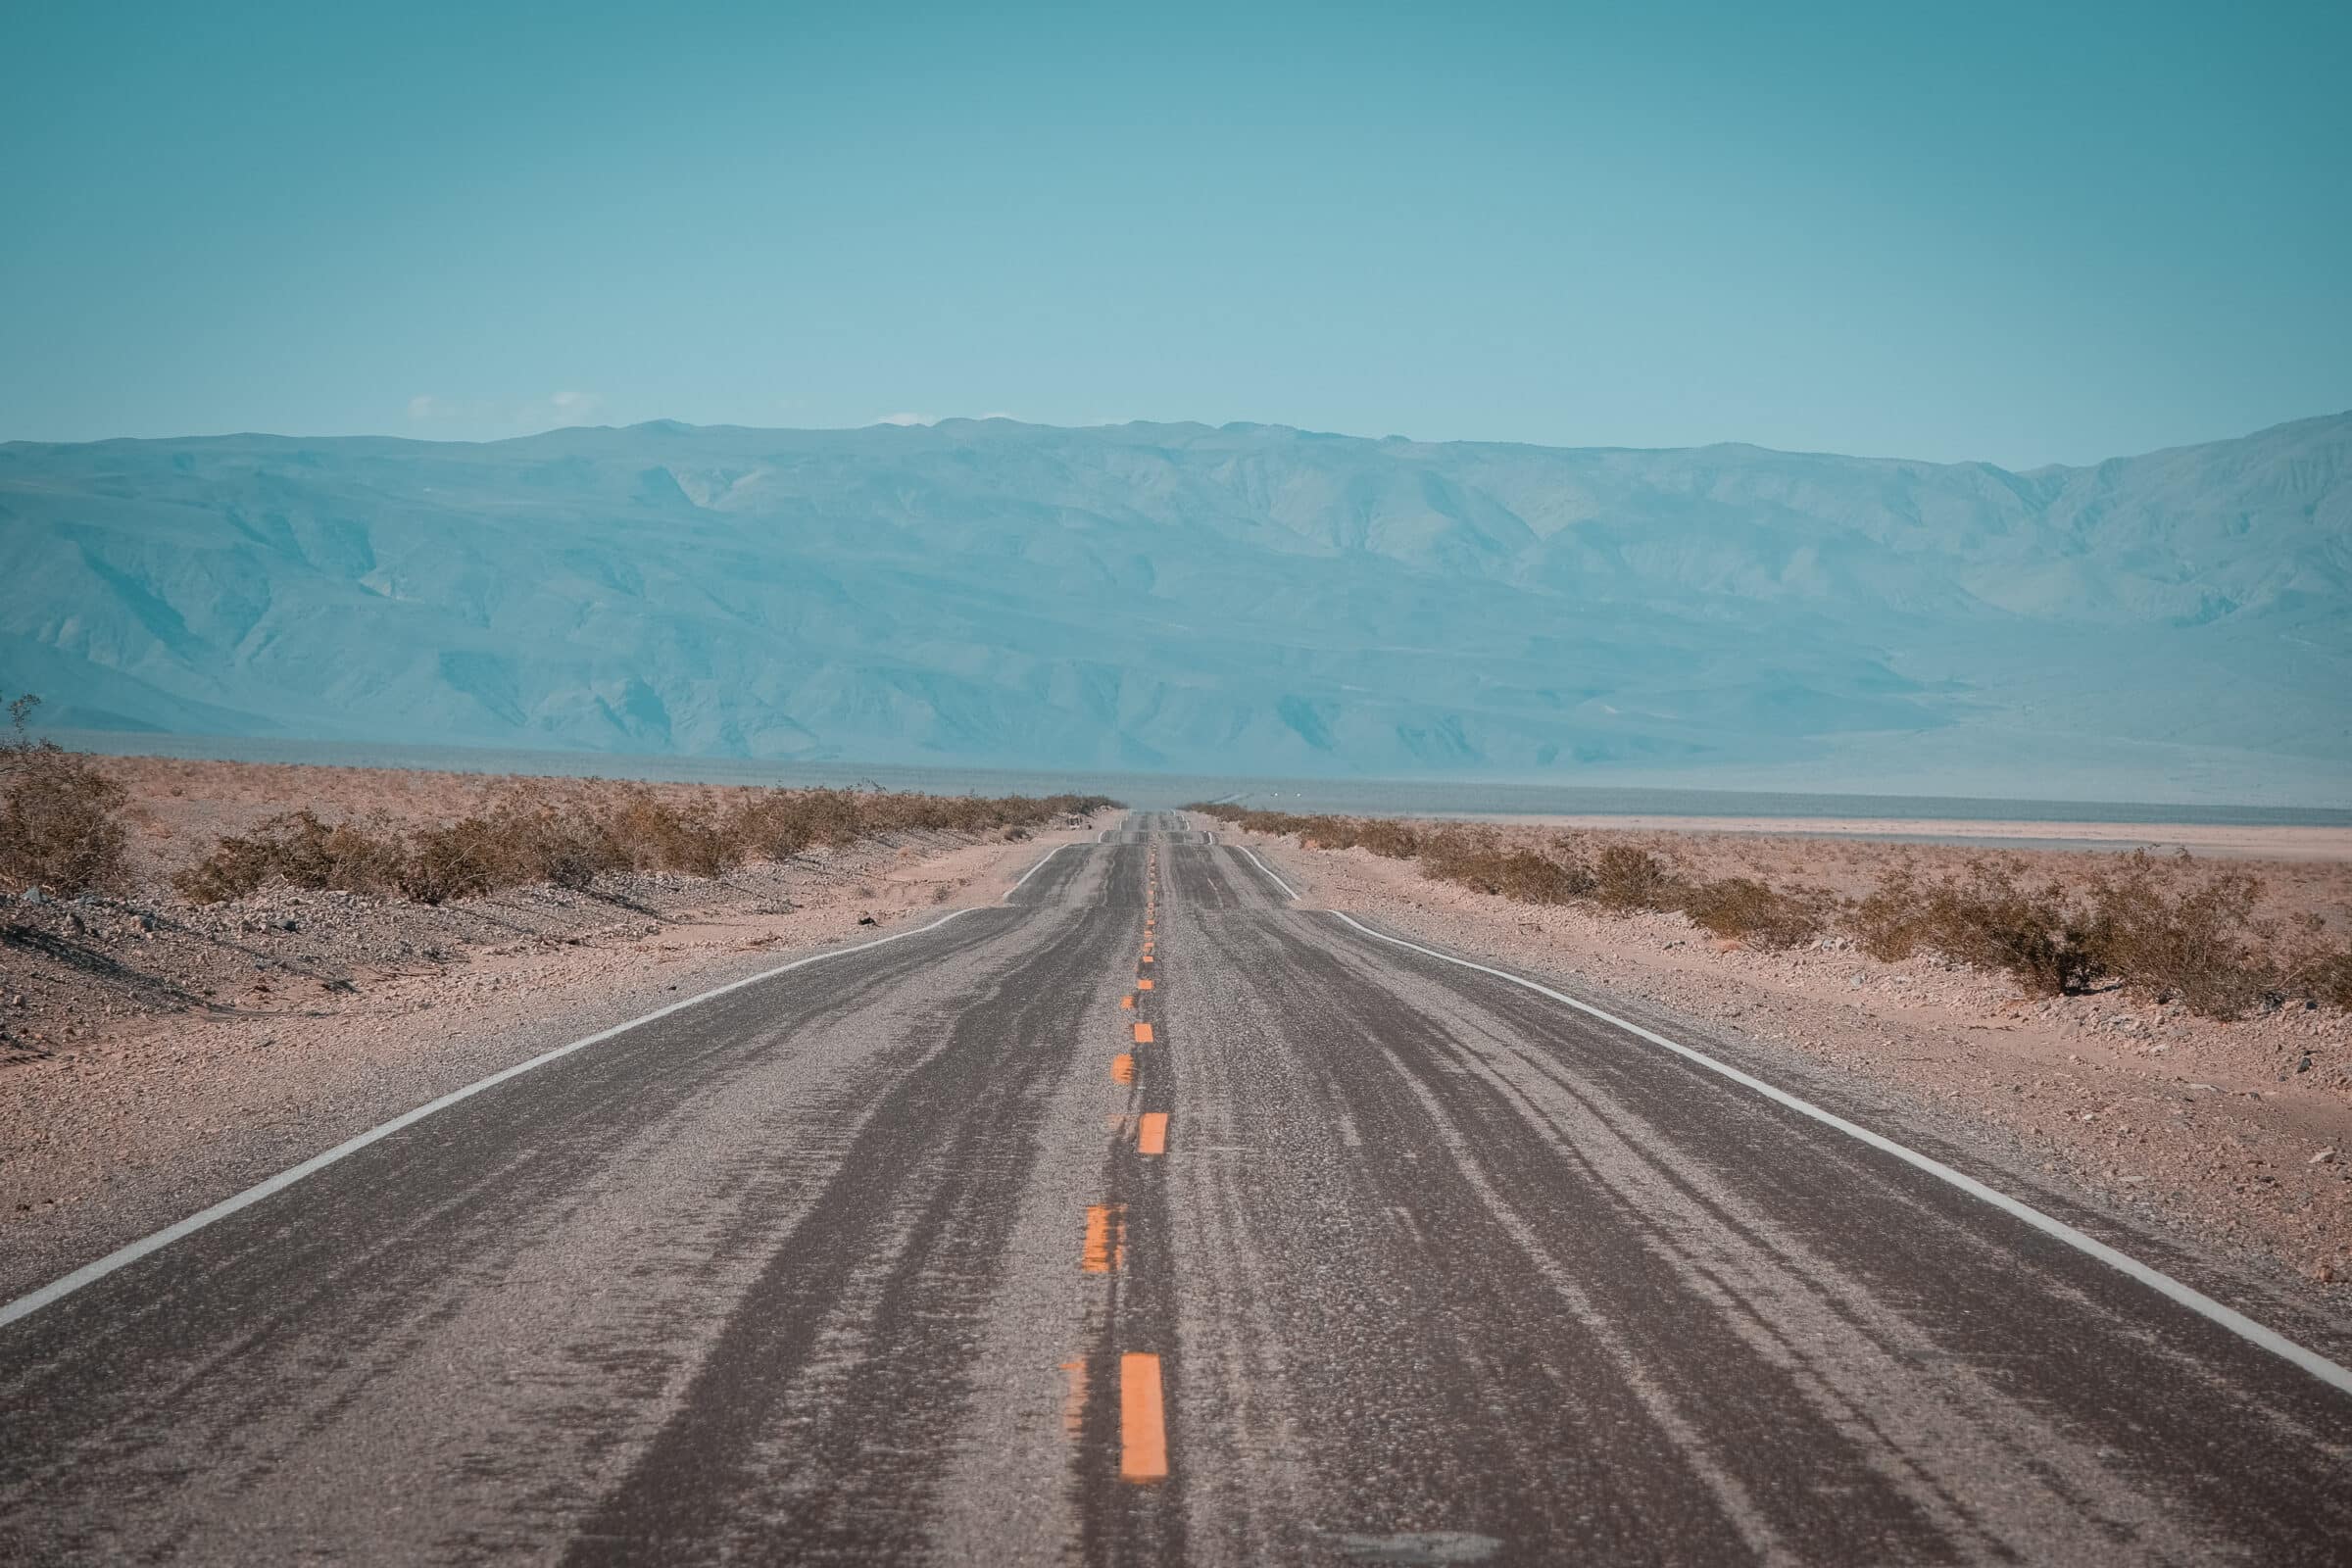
x: 1244, y: 598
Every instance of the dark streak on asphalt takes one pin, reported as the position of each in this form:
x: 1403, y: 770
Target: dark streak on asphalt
x: 1433, y: 1265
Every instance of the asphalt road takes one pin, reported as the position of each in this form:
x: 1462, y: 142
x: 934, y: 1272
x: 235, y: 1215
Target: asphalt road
x: 1144, y: 1220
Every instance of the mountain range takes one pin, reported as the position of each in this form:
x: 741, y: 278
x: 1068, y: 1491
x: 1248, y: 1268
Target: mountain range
x: 1240, y: 599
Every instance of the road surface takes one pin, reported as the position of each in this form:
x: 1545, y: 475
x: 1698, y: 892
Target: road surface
x: 1143, y: 1218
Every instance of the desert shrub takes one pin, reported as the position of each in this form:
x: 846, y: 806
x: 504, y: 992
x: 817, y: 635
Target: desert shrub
x: 61, y: 826
x: 311, y: 854
x: 2324, y: 976
x: 1481, y: 862
x: 1397, y: 840
x: 1526, y: 877
x: 298, y: 849
x: 1890, y: 920
x: 773, y: 825
x: 237, y: 867
x: 836, y: 817
x: 2037, y: 935
x: 2198, y: 943
x: 543, y: 837
x: 459, y: 860
x: 1627, y: 879
x: 570, y: 835
x: 1457, y: 855
x: 1744, y: 908
x: 656, y: 834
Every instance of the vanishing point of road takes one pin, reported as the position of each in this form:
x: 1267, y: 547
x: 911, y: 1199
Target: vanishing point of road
x: 1147, y: 1218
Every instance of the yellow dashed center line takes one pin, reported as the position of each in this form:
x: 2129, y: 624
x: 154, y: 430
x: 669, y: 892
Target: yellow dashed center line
x: 1143, y: 1424
x: 1122, y: 1068
x: 1142, y: 1033
x: 1105, y: 1239
x: 1143, y: 985
x: 1152, y: 1133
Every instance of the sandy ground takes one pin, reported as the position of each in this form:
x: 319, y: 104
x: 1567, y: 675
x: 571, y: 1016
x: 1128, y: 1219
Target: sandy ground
x: 2230, y: 843
x: 155, y: 1057
x: 2239, y: 1133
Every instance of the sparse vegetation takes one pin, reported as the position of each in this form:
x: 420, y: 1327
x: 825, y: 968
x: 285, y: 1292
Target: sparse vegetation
x: 1745, y: 909
x: 2173, y: 930
x: 60, y: 819
x: 570, y: 833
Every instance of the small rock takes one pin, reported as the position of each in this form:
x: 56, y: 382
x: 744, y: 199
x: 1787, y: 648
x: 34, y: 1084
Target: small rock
x: 32, y: 896
x: 2325, y: 1156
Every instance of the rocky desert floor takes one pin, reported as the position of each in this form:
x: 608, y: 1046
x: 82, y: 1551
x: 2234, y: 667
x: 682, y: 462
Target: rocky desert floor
x: 2238, y: 1135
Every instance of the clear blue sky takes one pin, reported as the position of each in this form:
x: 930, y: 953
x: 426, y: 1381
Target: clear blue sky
x: 2020, y: 233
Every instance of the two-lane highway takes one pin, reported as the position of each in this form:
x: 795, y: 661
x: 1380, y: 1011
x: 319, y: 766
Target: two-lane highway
x: 1146, y: 1218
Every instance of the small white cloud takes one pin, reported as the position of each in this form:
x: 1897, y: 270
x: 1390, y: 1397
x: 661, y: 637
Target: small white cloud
x: 999, y: 414
x: 579, y: 405
x: 909, y: 418
x: 425, y: 406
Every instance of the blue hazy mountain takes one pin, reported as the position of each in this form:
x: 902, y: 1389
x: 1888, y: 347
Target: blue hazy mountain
x: 1247, y: 598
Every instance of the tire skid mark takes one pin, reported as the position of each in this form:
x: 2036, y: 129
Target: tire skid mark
x: 816, y: 1426
x: 1956, y: 1273
x: 1771, y: 1291
x: 1932, y: 1282
x: 1554, y: 1456
x: 359, y: 1285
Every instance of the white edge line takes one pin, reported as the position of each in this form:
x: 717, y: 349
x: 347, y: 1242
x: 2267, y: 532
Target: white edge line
x: 1032, y: 872
x: 2237, y: 1323
x: 1278, y: 881
x: 57, y: 1290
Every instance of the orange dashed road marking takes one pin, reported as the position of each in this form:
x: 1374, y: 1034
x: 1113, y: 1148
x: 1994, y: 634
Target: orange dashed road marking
x: 1143, y: 1421
x: 1142, y: 1033
x: 1143, y: 985
x: 1152, y: 1133
x: 1127, y: 1001
x: 1147, y: 958
x: 1122, y: 1068
x: 1105, y: 1239
x: 1073, y: 1405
